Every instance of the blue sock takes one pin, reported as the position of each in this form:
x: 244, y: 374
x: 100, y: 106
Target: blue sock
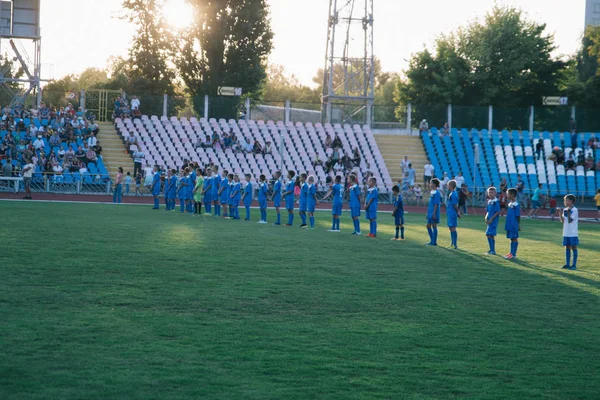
x: 218, y: 210
x: 337, y: 224
x: 156, y: 204
x: 491, y: 244
x: 575, y: 254
x: 430, y: 231
x: 208, y: 207
x: 263, y: 214
x: 333, y: 224
x: 402, y: 233
x: 568, y: 256
x: 455, y: 238
x: 312, y: 222
x: 247, y: 212
x: 181, y: 205
x: 435, y: 235
x: 303, y: 217
x: 513, y: 248
x: 397, y: 232
x: 374, y: 227
x: 278, y: 218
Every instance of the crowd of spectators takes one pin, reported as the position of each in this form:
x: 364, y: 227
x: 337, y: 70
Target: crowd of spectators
x: 337, y: 160
x: 573, y: 158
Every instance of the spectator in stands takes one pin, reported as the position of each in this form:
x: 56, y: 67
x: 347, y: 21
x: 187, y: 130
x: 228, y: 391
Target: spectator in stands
x: 226, y: 141
x: 138, y: 159
x: 82, y: 167
x: 93, y: 142
x: 90, y: 156
x: 7, y: 169
x: 256, y: 148
x: 346, y: 162
x: 135, y: 103
x: 328, y: 141
x: 268, y: 148
x: 580, y: 158
x: 28, y: 171
x: 597, y: 168
x: 61, y: 154
x: 418, y: 193
x: 445, y: 130
x: 136, y: 114
x: 411, y: 175
x: 460, y: 179
x: 428, y: 170
x: 39, y: 143
x: 356, y: 157
x: 235, y: 144
x: 337, y: 142
x: 317, y: 161
x: 423, y: 126
x: 539, y: 146
x: 54, y: 139
x: 3, y: 152
x: 405, y: 163
x: 249, y: 148
x: 520, y: 186
x: 570, y: 163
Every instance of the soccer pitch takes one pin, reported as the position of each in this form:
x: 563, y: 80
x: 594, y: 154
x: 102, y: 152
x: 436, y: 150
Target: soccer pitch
x: 111, y: 302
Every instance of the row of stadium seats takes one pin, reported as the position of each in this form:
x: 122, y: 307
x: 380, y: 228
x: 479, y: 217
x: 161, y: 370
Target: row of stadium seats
x: 167, y: 142
x: 509, y: 154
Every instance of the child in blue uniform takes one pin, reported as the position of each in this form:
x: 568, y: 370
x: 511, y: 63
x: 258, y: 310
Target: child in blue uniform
x: 452, y: 213
x: 513, y: 223
x: 433, y: 211
x: 492, y: 216
x: 216, y: 184
x: 371, y: 203
x: 207, y: 191
x: 337, y: 189
x: 262, y: 198
x: 224, y: 192
x: 398, y: 213
x: 235, y: 197
x: 354, y: 204
x: 189, y: 190
x: 570, y: 219
x: 247, y: 198
x: 182, y: 190
x: 155, y: 187
x: 303, y: 199
x: 311, y: 201
x: 168, y: 190
x: 277, y: 196
x: 288, y: 195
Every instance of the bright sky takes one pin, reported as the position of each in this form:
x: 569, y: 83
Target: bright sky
x: 86, y: 35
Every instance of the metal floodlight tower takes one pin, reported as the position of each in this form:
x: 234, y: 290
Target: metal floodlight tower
x: 348, y: 79
x: 21, y: 38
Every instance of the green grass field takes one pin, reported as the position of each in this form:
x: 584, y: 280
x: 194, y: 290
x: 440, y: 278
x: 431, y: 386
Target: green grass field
x: 105, y: 302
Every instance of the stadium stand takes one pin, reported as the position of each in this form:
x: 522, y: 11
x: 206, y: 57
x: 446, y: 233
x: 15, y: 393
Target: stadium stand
x: 509, y: 154
x: 167, y: 142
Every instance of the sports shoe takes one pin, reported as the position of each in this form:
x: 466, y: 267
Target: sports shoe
x: 262, y: 222
x: 277, y: 223
x: 332, y: 230
x: 565, y: 267
x: 430, y: 244
x: 573, y: 268
x: 394, y: 238
x: 337, y: 230
x: 509, y: 256
x: 356, y: 234
x: 303, y: 226
x: 453, y: 247
x: 490, y: 253
x: 207, y: 214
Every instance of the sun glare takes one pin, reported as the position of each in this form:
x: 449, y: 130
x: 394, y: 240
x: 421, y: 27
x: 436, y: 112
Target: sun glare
x: 178, y: 13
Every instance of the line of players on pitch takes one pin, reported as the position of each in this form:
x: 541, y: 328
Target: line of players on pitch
x: 224, y: 191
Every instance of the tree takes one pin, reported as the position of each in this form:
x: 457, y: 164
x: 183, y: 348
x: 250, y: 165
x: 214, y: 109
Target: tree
x: 279, y: 86
x: 9, y: 70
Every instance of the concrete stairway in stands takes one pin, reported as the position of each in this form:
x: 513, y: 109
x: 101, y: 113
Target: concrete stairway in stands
x: 393, y: 149
x: 113, y: 150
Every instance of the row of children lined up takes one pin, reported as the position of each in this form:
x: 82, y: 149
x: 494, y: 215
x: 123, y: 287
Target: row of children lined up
x: 226, y: 191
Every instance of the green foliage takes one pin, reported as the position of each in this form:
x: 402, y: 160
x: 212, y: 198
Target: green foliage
x: 280, y: 87
x: 10, y: 70
x: 140, y: 304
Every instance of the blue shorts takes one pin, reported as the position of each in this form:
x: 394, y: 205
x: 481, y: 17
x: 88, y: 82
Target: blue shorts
x: 214, y: 196
x: 277, y: 201
x: 336, y: 209
x: 371, y: 214
x: 207, y: 198
x: 355, y: 211
x: 452, y: 222
x: 262, y: 203
x: 289, y: 204
x: 399, y: 220
x: 302, y: 207
x: 247, y: 204
x: 155, y: 192
x: 492, y: 230
x: 311, y: 207
x: 225, y: 200
x: 570, y: 241
x: 433, y: 220
x: 512, y: 235
x: 535, y: 204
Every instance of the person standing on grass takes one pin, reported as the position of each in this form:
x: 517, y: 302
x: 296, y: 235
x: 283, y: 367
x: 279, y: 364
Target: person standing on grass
x: 224, y: 192
x: 355, y: 203
x: 492, y: 217
x: 248, y: 194
x: 569, y: 216
x: 513, y: 222
x: 452, y: 213
x: 433, y: 212
x: 398, y: 213
x: 535, y: 202
x: 337, y: 189
x: 207, y: 191
x: 262, y: 198
x: 276, y: 198
x: 27, y: 171
x: 371, y: 203
x: 155, y: 186
x: 216, y: 184
x: 303, y: 199
x: 118, y: 189
x: 181, y: 190
x: 311, y: 201
x: 168, y: 190
x: 288, y: 195
x: 428, y: 171
x: 235, y: 194
x: 128, y: 182
x: 198, y: 192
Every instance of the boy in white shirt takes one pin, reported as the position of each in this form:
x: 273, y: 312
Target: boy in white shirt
x: 569, y: 216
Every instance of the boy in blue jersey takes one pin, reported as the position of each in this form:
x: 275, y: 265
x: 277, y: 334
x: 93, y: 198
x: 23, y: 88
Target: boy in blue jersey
x: 224, y: 192
x: 371, y: 203
x: 398, y: 213
x: 155, y: 187
x: 303, y: 200
x: 168, y: 190
x: 288, y: 195
x: 433, y: 211
x: 452, y: 213
x: 492, y: 216
x: 354, y: 203
x: 570, y: 219
x: 276, y: 198
x: 311, y: 201
x: 235, y: 197
x: 247, y: 198
x: 181, y: 190
x: 337, y: 189
x: 172, y: 189
x: 230, y: 189
x: 189, y: 191
x: 513, y: 223
x: 262, y: 198
x: 216, y: 184
x: 207, y: 192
